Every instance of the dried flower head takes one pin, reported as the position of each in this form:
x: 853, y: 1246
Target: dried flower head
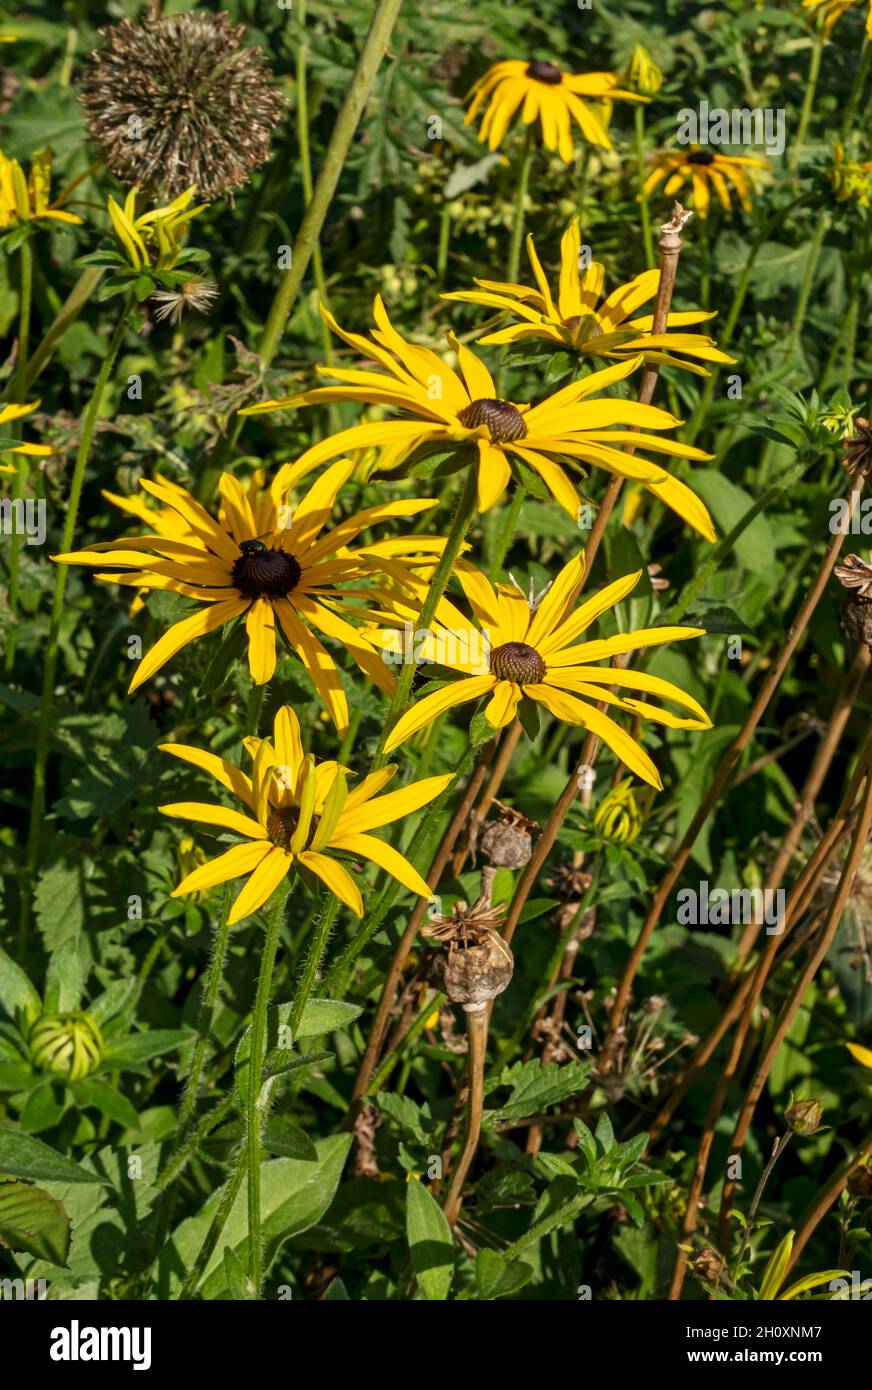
x: 856, y: 574
x: 507, y: 842
x: 477, y: 964
x: 708, y: 1266
x: 194, y: 293
x: 858, y: 449
x: 177, y: 100
x: 860, y: 1180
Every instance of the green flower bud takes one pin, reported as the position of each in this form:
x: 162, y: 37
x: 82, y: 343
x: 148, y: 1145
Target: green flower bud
x: 804, y: 1116
x: 618, y: 816
x: 68, y: 1045
x: 642, y: 74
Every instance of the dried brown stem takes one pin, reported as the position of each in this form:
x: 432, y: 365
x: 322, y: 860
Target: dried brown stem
x: 807, y: 975
x: 719, y: 783
x: 477, y: 1024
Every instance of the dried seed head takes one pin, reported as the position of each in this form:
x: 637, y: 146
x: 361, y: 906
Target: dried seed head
x: 473, y: 975
x: 569, y: 883
x: 708, y: 1266
x: 465, y: 924
x: 195, y: 293
x: 177, y: 100
x: 505, y: 847
x: 858, y: 449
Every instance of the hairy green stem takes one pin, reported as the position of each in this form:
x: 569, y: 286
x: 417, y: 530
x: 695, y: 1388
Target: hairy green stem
x: 19, y: 391
x: 253, y: 1108
x: 313, y: 962
x: 644, y: 207
x: 459, y: 526
x: 37, y: 805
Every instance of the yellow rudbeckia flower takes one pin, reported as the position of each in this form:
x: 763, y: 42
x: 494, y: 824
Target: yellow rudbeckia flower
x: 28, y: 199
x: 544, y: 93
x: 833, y: 11
x: 578, y: 319
x: 525, y: 651
x: 153, y: 238
x: 270, y: 563
x: 300, y: 811
x: 448, y: 410
x: 706, y: 171
x: 8, y: 413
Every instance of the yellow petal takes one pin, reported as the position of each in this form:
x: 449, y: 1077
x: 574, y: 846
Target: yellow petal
x: 260, y: 624
x: 208, y: 814
x: 337, y: 879
x: 457, y: 693
x: 223, y: 772
x: 387, y: 858
x: 383, y: 810
x: 188, y: 630
x: 235, y: 862
x: 264, y: 879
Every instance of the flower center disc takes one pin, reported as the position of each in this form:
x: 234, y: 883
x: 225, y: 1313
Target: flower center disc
x: 503, y: 419
x: 516, y: 661
x: 545, y: 72
x: 281, y: 824
x: 701, y: 157
x: 263, y: 573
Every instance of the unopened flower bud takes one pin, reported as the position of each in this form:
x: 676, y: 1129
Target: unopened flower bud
x: 804, y: 1116
x: 642, y: 73
x: 68, y: 1045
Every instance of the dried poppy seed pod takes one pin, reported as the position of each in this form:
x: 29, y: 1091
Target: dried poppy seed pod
x: 855, y: 615
x: 477, y: 973
x: 69, y: 1045
x: 507, y: 843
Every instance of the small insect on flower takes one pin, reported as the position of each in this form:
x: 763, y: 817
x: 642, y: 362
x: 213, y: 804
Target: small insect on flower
x: 446, y: 409
x: 533, y: 655
x: 194, y: 293
x: 177, y: 100
x: 542, y: 92
x: 298, y: 812
x: 251, y: 561
x: 707, y: 172
x: 579, y: 318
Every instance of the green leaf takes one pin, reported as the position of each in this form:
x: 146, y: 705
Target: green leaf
x: 336, y: 1292
x: 324, y: 1016
x: 431, y: 1243
x: 604, y: 1134
x: 108, y: 1100
x: 139, y: 1048
x: 496, y: 1278
x: 22, y: 1156
x: 219, y: 668
x: 239, y: 1285
x: 773, y: 1274
x: 755, y: 547
x: 63, y: 980
x: 294, y: 1195
x: 34, y: 1223
x: 537, y: 1085
x: 17, y: 994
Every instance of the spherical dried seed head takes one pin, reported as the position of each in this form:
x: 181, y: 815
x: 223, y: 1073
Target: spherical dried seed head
x: 856, y: 618
x: 504, y: 420
x: 518, y: 662
x: 505, y: 847
x: 263, y: 573
x: 475, y: 974
x: 545, y: 72
x: 177, y: 100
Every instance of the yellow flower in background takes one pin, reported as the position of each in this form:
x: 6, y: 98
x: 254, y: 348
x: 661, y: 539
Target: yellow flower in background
x: 579, y: 319
x: 299, y: 811
x: 642, y: 73
x: 542, y: 92
x: 834, y: 9
x: 526, y: 651
x: 28, y: 198
x: 268, y: 562
x: 8, y: 413
x: 156, y: 238
x: 706, y: 171
x: 449, y: 410
x: 851, y: 179
x: 863, y: 1055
